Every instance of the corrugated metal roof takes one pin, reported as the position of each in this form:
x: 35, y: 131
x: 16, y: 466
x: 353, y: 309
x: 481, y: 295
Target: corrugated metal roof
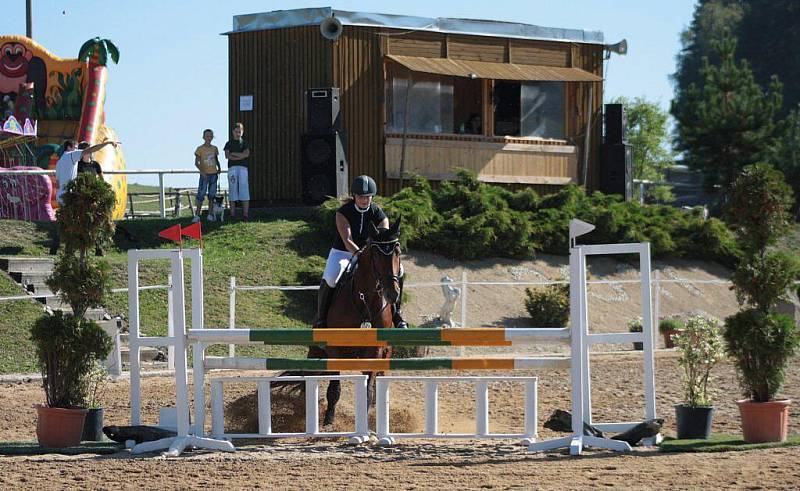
x: 492, y: 70
x: 314, y: 16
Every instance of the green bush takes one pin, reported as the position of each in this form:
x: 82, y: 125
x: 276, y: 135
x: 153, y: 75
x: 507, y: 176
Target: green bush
x: 66, y: 347
x: 636, y: 325
x: 670, y: 324
x: 700, y: 347
x: 469, y: 219
x: 761, y: 345
x: 548, y: 306
x: 760, y: 341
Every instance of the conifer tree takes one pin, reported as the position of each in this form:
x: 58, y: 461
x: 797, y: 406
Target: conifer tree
x: 728, y: 122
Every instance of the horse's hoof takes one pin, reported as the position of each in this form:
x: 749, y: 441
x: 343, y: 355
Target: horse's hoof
x: 386, y: 441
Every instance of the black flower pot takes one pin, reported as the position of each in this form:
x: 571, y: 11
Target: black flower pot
x: 693, y: 422
x: 93, y: 426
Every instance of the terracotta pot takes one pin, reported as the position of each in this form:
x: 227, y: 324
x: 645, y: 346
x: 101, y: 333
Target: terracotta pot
x: 668, y: 339
x: 764, y: 421
x: 57, y: 427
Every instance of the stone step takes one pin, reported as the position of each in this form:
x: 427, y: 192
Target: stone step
x: 33, y: 278
x: 91, y: 314
x: 15, y: 264
x: 37, y: 288
x: 145, y: 354
x: 56, y: 303
x: 96, y: 314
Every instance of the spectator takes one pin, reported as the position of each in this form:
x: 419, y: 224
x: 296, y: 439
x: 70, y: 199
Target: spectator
x: 237, y: 151
x: 87, y: 163
x: 206, y: 159
x: 67, y: 169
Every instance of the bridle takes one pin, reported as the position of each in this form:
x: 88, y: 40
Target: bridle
x: 386, y: 248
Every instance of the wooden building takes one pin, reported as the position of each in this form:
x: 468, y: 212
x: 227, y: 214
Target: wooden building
x: 511, y: 102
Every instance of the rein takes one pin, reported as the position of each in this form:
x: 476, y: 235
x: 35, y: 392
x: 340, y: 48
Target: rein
x: 387, y: 248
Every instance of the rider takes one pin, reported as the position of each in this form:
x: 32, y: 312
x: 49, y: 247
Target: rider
x: 353, y: 221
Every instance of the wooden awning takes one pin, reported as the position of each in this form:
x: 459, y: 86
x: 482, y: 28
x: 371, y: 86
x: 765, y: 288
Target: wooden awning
x: 493, y: 70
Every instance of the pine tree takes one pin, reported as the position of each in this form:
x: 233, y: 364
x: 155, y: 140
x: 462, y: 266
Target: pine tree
x: 787, y: 154
x: 728, y: 122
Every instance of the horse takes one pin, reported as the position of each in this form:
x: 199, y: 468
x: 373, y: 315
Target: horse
x: 364, y: 297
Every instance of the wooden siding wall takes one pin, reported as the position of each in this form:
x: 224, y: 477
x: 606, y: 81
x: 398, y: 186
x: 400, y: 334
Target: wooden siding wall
x: 276, y: 67
x: 548, y: 53
x: 358, y: 72
x: 587, y: 57
x: 499, y: 161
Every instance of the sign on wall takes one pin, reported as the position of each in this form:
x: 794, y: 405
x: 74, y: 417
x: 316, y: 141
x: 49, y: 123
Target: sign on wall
x: 245, y: 103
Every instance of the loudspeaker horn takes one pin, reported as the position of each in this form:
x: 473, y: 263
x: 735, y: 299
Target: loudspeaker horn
x: 620, y: 48
x: 331, y: 28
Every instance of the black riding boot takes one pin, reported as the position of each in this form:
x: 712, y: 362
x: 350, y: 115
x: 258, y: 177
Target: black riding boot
x: 323, y: 304
x: 397, y: 314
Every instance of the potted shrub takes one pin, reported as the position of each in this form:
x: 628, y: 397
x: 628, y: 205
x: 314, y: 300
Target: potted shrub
x: 700, y: 347
x: 760, y: 341
x: 636, y: 325
x: 668, y: 327
x: 67, y: 344
x: 95, y: 381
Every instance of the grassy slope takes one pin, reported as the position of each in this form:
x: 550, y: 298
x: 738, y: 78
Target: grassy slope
x: 269, y: 250
x: 272, y: 249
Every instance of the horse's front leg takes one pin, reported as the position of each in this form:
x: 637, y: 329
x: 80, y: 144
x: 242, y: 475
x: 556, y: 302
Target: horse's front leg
x: 372, y: 382
x: 332, y: 395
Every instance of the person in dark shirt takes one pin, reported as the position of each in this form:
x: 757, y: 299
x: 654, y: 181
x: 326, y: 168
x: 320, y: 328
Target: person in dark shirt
x: 237, y: 151
x: 354, y: 219
x: 87, y: 163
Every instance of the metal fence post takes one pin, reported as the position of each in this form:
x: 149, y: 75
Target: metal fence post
x: 463, y: 306
x: 161, y: 203
x: 232, y: 314
x: 170, y: 325
x: 656, y: 306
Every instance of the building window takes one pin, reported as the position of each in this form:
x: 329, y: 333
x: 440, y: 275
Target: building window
x: 430, y: 104
x: 529, y: 109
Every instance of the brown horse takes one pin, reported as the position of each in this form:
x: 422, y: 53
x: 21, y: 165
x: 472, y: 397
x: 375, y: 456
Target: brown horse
x: 364, y: 298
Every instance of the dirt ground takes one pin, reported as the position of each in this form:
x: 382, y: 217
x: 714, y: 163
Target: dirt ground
x: 417, y: 464
x: 457, y: 464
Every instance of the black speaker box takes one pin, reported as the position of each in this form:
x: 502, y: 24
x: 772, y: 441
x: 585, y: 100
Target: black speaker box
x: 324, y: 166
x: 616, y: 124
x: 323, y: 109
x: 616, y: 170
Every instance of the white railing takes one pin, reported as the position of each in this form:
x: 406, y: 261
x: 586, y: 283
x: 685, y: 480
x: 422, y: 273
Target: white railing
x: 482, y: 428
x: 159, y: 172
x: 264, y: 407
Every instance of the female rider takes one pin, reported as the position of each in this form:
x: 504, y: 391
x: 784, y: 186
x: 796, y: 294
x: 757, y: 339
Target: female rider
x: 354, y: 220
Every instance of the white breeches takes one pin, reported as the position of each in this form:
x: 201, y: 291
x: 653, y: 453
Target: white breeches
x: 337, y: 264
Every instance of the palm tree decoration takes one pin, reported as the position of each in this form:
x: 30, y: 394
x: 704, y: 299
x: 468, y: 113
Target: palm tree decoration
x: 95, y: 53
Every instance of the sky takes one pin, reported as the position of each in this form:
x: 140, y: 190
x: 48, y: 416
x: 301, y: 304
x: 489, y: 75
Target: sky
x: 172, y: 78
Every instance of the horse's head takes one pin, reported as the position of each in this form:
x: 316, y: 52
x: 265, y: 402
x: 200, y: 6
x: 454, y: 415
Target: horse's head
x: 383, y: 251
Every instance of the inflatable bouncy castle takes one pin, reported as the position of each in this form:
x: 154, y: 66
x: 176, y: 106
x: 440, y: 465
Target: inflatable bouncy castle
x: 45, y: 100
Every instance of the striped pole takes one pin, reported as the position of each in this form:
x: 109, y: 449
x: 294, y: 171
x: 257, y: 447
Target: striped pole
x: 355, y: 337
x: 384, y: 364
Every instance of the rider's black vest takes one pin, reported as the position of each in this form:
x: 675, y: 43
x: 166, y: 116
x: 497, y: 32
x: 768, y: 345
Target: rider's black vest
x: 359, y: 223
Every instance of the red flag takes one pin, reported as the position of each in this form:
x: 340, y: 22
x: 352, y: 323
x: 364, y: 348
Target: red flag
x: 173, y: 233
x: 194, y: 230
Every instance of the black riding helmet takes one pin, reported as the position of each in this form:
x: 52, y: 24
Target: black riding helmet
x: 364, y: 186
